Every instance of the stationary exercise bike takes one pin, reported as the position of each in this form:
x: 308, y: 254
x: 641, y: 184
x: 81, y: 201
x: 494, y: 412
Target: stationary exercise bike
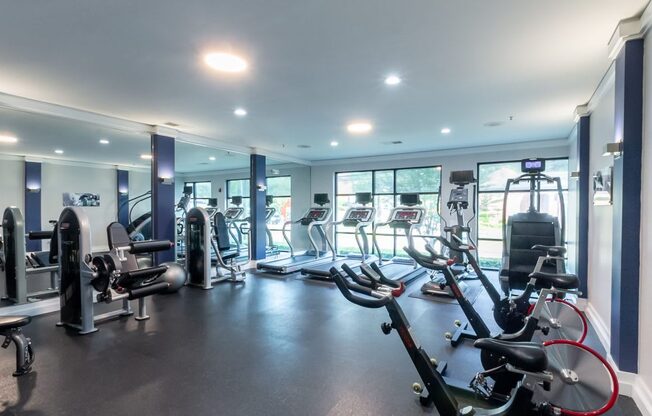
x: 545, y: 384
x: 557, y: 286
x: 560, y: 318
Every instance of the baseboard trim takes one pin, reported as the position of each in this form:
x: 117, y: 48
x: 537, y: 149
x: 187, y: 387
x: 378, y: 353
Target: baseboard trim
x: 599, y: 325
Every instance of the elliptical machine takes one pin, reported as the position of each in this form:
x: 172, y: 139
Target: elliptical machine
x: 457, y: 203
x: 531, y: 379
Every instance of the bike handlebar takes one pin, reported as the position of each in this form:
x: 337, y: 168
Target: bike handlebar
x: 424, y: 261
x: 347, y: 291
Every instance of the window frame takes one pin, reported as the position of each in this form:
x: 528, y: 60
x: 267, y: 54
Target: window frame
x: 194, y: 198
x: 480, y: 192
x: 395, y: 195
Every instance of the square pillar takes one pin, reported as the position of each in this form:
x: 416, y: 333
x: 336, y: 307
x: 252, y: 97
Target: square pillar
x: 122, y: 190
x: 33, y: 203
x: 163, y: 218
x: 258, y: 192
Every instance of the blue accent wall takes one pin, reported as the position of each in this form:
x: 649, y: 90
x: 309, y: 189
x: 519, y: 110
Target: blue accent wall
x: 33, y: 203
x: 584, y: 194
x: 163, y: 218
x: 627, y: 206
x: 258, y: 178
x: 123, y: 196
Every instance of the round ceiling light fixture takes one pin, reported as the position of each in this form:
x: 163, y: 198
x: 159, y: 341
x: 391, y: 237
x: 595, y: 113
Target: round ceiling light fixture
x: 445, y: 130
x: 393, y: 79
x: 240, y: 112
x: 226, y: 62
x: 8, y: 139
x: 359, y: 127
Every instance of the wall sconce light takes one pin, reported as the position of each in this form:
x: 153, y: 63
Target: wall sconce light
x: 575, y: 175
x: 166, y: 180
x: 123, y: 191
x: 33, y: 189
x: 614, y: 149
x: 261, y: 188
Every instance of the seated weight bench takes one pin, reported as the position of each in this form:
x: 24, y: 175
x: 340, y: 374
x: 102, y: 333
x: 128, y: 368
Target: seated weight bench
x: 10, y: 328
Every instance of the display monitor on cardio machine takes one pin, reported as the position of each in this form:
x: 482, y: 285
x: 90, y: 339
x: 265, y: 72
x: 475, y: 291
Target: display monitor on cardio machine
x: 316, y: 218
x: 525, y: 230
x: 359, y: 217
x: 408, y: 217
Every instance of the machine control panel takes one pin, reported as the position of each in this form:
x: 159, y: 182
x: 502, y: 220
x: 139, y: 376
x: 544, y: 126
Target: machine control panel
x: 406, y: 216
x: 315, y: 214
x: 233, y: 213
x: 354, y: 216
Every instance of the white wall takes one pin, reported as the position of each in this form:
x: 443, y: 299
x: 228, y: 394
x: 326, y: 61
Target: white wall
x: 601, y: 217
x: 645, y: 311
x: 451, y: 160
x: 59, y: 178
x: 12, y: 187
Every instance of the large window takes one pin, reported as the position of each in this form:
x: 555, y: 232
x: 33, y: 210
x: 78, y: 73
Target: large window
x: 280, y: 187
x: 201, y: 192
x: 387, y: 185
x: 492, y: 178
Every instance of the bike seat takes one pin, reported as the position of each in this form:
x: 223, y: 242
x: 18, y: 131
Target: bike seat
x: 11, y: 322
x: 528, y: 356
x: 558, y: 280
x: 551, y: 250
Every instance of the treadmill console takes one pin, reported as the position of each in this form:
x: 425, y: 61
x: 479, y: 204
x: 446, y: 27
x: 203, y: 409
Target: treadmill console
x: 315, y: 214
x: 233, y: 213
x: 403, y: 217
x: 357, y: 215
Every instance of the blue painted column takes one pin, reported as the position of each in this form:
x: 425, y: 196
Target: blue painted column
x: 163, y: 219
x: 584, y: 195
x: 33, y: 202
x: 258, y: 192
x: 628, y: 117
x: 122, y: 188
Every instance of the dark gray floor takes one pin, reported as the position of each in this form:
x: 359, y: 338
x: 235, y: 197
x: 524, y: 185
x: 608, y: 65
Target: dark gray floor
x: 273, y: 346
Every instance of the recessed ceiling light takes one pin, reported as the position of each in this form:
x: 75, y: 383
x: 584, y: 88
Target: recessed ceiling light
x: 8, y: 139
x: 240, y: 112
x: 58, y: 151
x: 445, y: 130
x: 334, y: 143
x: 393, y: 79
x: 211, y: 158
x: 359, y: 127
x: 226, y: 62
x: 104, y: 141
x: 146, y: 156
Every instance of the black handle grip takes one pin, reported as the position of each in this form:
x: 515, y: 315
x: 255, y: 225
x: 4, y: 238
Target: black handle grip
x: 383, y: 279
x: 40, y: 235
x: 344, y: 287
x: 147, y: 273
x: 138, y: 247
x: 148, y: 290
x: 357, y: 278
x: 419, y: 258
x: 433, y: 253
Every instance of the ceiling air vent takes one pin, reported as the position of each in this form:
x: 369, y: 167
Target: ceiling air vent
x: 303, y: 146
x: 493, y: 123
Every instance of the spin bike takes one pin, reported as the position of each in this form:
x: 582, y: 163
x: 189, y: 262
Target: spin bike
x: 545, y: 384
x: 560, y: 318
x: 557, y: 285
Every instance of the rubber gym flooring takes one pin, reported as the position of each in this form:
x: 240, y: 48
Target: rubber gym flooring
x: 271, y: 346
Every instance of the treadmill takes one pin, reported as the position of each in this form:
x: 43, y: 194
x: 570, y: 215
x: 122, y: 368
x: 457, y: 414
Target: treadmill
x: 315, y: 218
x: 358, y: 217
x: 408, y: 217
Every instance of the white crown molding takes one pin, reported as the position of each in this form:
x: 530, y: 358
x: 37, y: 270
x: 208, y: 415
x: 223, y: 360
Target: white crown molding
x: 446, y: 152
x: 280, y: 156
x: 627, y: 29
x: 164, y: 131
x: 581, y: 111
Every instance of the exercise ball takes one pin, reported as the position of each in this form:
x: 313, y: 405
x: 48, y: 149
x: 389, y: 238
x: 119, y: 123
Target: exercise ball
x: 175, y: 276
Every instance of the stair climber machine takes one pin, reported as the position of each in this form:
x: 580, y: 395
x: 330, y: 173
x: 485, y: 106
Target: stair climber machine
x: 358, y: 217
x: 234, y: 219
x: 457, y: 203
x: 208, y: 245
x: 525, y: 230
x: 270, y: 212
x: 140, y: 228
x: 19, y: 265
x: 408, y: 217
x: 558, y: 377
x: 114, y: 275
x: 316, y: 218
